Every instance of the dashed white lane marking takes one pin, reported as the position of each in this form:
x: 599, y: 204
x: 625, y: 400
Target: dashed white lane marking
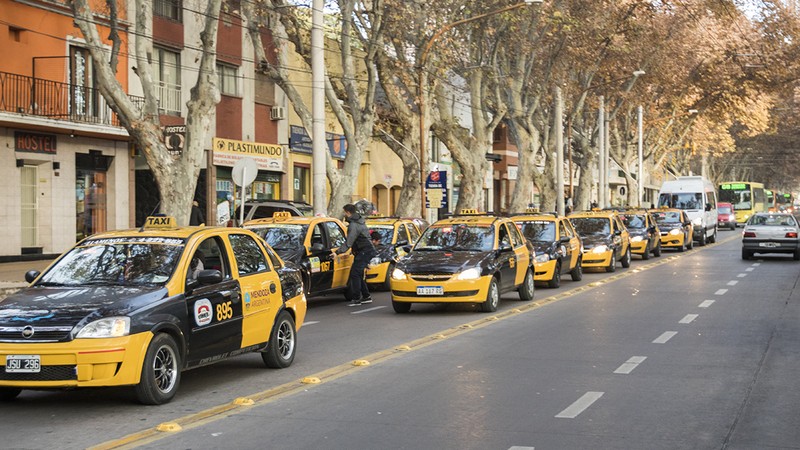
x: 517, y: 447
x: 721, y: 292
x: 580, y: 405
x: 756, y: 264
x: 311, y: 322
x: 628, y: 366
x: 741, y: 275
x: 368, y: 310
x: 689, y: 318
x: 733, y: 282
x: 706, y: 304
x: 666, y: 336
x: 749, y: 269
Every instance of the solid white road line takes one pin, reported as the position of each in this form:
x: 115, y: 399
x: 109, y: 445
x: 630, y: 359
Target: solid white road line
x: 721, y: 292
x: 311, y: 322
x: 733, y: 283
x: 580, y: 405
x: 517, y: 447
x: 689, y: 318
x: 628, y: 366
x: 706, y: 304
x: 368, y: 310
x: 666, y: 336
x: 756, y: 264
x: 749, y: 269
x: 741, y: 275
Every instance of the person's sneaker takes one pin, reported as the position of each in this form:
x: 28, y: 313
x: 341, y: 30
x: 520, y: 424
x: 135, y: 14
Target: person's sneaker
x: 366, y: 300
x: 354, y: 303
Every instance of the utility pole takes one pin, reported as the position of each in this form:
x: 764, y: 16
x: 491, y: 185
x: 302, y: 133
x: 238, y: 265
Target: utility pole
x: 559, y: 126
x: 607, y: 156
x: 318, y: 143
x: 601, y: 164
x: 640, y: 173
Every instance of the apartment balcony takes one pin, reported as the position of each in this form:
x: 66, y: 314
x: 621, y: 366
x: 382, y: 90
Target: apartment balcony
x: 68, y: 105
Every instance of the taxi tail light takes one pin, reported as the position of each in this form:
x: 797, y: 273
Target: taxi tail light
x: 791, y: 234
x: 749, y: 234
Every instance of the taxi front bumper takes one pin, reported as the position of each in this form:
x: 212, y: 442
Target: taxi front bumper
x: 453, y: 291
x: 598, y: 259
x: 79, y: 363
x: 378, y: 274
x: 544, y: 271
x: 640, y: 247
x: 672, y: 240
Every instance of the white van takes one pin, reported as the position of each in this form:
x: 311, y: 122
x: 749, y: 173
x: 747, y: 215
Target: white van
x: 696, y: 196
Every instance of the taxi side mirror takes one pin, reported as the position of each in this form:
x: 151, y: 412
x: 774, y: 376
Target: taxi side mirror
x: 651, y: 229
x: 210, y: 276
x: 406, y: 248
x: 565, y: 239
x: 708, y: 206
x: 617, y: 232
x: 31, y: 275
x: 687, y: 223
x: 317, y: 248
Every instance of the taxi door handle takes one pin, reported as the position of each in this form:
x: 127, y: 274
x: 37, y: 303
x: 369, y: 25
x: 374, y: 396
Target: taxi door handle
x: 272, y: 288
x: 233, y: 296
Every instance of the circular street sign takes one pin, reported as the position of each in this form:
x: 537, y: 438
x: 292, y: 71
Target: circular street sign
x: 244, y: 171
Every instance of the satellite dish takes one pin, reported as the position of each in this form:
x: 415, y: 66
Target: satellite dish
x: 244, y: 171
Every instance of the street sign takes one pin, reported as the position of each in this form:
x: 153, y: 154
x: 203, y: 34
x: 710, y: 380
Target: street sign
x: 244, y: 171
x: 436, y: 190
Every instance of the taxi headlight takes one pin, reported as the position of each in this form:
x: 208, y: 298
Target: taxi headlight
x: 675, y: 232
x: 469, y: 274
x: 542, y: 258
x: 600, y: 249
x: 697, y: 221
x: 106, y: 328
x: 398, y: 274
x: 637, y: 239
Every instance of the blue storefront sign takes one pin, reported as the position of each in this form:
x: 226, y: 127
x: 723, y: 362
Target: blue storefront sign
x: 436, y: 190
x: 300, y: 142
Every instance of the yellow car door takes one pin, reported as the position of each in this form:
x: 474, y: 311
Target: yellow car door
x: 343, y: 262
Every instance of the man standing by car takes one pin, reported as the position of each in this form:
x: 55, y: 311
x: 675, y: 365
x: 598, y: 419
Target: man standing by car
x: 358, y: 239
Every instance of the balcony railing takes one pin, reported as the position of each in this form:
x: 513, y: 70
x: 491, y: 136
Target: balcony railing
x: 54, y: 100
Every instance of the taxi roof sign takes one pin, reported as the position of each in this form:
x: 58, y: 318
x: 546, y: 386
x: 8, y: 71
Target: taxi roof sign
x: 469, y: 212
x: 281, y: 215
x: 532, y: 210
x: 159, y: 222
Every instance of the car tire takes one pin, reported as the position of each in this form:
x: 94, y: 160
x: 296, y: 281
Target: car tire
x: 161, y: 371
x: 646, y: 254
x: 690, y: 245
x: 387, y: 285
x: 626, y: 260
x: 713, y: 238
x: 657, y: 251
x: 702, y: 241
x: 527, y: 289
x: 555, y: 282
x: 746, y: 255
x: 282, y: 345
x: 8, y: 394
x: 401, y: 307
x: 492, y: 297
x: 577, y: 271
x: 613, y: 266
x: 796, y: 255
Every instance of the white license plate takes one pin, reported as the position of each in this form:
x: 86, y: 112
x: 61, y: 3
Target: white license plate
x: 430, y: 290
x: 23, y: 364
x: 769, y: 244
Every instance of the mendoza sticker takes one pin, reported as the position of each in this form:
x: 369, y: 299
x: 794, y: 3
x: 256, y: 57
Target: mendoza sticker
x: 202, y: 312
x: 315, y: 266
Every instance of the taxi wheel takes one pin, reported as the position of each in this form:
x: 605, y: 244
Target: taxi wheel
x: 401, y: 307
x: 796, y: 255
x: 8, y: 394
x: 657, y: 251
x: 702, y: 242
x: 161, y: 372
x: 492, y: 297
x: 646, y: 254
x: 282, y: 344
x: 386, y: 285
x: 527, y: 288
x: 747, y: 255
x: 626, y: 261
x: 556, y: 280
x: 577, y: 271
x: 612, y: 267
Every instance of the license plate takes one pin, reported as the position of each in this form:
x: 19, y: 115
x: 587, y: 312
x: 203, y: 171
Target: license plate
x: 430, y: 290
x: 23, y: 364
x: 769, y: 244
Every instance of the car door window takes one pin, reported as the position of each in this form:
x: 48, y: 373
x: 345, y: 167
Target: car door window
x: 273, y: 257
x: 562, y: 230
x: 318, y: 236
x: 516, y: 237
x: 249, y: 257
x: 412, y: 231
x: 502, y: 238
x: 402, y: 234
x: 208, y: 256
x: 335, y: 234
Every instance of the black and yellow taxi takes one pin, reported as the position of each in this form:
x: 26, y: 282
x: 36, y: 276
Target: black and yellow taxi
x: 468, y: 258
x: 137, y: 307
x: 605, y: 239
x: 394, y: 234
x: 676, y: 228
x: 556, y: 243
x: 644, y: 231
x: 307, y: 242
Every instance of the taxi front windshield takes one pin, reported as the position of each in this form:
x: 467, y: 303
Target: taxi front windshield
x: 587, y: 226
x: 540, y: 230
x: 668, y: 217
x: 385, y: 232
x: 283, y: 236
x: 118, y: 262
x: 634, y: 221
x: 459, y: 237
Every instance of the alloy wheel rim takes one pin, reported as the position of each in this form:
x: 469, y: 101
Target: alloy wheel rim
x: 494, y: 295
x: 165, y: 369
x: 285, y: 340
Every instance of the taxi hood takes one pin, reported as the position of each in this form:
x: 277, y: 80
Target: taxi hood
x: 68, y: 306
x: 421, y: 261
x: 593, y: 240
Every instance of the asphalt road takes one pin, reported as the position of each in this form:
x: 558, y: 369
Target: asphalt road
x: 696, y: 350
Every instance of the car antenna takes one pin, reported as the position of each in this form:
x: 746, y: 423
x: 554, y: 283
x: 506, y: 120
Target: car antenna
x: 151, y: 213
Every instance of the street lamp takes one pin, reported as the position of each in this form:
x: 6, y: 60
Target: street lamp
x: 421, y: 78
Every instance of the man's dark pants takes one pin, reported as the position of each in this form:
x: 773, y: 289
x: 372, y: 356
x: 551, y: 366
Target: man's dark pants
x: 356, y: 286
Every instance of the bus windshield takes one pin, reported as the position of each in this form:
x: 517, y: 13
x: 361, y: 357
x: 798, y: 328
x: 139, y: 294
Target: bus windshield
x: 739, y: 198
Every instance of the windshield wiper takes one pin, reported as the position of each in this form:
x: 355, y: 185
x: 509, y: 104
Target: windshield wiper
x: 49, y: 284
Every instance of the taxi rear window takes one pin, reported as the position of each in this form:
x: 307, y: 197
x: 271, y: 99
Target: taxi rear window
x: 538, y: 230
x: 591, y: 225
x: 386, y: 232
x: 457, y: 237
x: 667, y: 216
x: 117, y: 261
x: 633, y: 220
x: 282, y: 236
x: 773, y: 220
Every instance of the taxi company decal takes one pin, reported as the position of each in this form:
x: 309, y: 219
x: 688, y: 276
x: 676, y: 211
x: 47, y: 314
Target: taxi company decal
x: 256, y: 298
x: 268, y: 156
x: 202, y: 312
x: 247, y: 300
x: 315, y: 266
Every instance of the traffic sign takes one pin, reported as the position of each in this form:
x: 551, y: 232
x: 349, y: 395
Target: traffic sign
x: 244, y: 171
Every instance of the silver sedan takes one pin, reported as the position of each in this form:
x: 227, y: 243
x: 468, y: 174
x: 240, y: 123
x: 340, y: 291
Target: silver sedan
x: 771, y: 233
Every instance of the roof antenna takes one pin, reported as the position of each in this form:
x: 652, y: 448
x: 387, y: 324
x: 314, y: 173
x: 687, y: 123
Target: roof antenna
x: 151, y: 213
